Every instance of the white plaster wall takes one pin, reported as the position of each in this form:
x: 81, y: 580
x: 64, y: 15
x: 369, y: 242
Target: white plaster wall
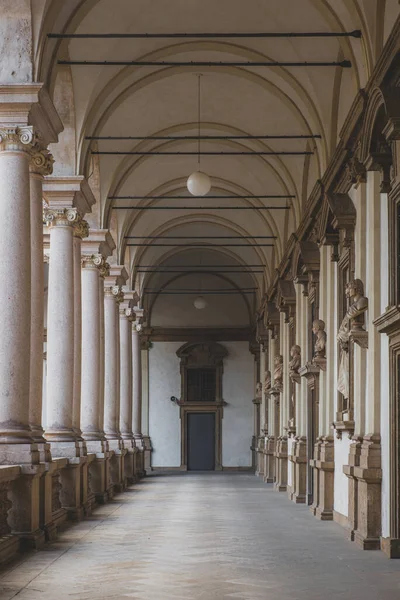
x: 341, y: 494
x: 237, y: 391
x: 164, y: 422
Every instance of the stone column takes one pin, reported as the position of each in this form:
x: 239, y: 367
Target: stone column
x: 19, y: 144
x: 60, y: 332
x: 125, y: 325
x: 145, y: 346
x: 80, y: 231
x: 91, y: 427
x: 113, y: 296
x: 126, y: 317
x: 137, y: 387
x: 15, y: 299
x: 41, y: 164
x: 299, y: 450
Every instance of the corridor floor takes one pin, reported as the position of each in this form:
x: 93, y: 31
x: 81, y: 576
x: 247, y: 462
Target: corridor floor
x: 202, y: 537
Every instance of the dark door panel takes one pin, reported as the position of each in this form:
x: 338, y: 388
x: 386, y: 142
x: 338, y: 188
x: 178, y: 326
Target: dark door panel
x: 201, y: 441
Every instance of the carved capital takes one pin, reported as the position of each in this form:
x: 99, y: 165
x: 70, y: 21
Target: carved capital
x: 41, y: 161
x: 60, y: 217
x: 115, y: 292
x: 81, y: 229
x: 95, y: 261
x: 19, y: 139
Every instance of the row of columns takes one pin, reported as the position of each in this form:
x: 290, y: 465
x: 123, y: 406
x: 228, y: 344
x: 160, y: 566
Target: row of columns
x: 93, y: 346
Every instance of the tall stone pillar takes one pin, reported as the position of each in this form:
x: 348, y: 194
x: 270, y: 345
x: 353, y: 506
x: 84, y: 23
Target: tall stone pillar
x: 19, y: 221
x: 125, y: 327
x: 126, y: 316
x: 41, y: 164
x: 80, y: 231
x: 136, y: 387
x: 68, y: 198
x: 91, y: 426
x: 113, y: 296
x: 15, y: 299
x: 147, y: 447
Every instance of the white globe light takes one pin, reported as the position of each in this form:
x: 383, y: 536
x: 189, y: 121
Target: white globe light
x: 198, y: 183
x: 200, y: 303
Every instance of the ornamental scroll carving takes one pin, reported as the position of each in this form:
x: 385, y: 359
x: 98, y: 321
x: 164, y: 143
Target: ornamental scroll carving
x: 116, y: 292
x: 352, y: 327
x: 96, y: 261
x: 60, y: 216
x: 41, y: 160
x: 17, y: 138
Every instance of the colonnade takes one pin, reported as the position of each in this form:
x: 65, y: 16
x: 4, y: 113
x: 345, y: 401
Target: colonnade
x: 82, y: 443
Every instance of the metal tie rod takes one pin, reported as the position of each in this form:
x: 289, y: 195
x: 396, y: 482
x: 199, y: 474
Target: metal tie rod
x: 225, y: 293
x: 200, y: 237
x: 264, y: 196
x: 200, y: 207
x: 202, y: 137
x: 345, y: 64
x: 194, y: 272
x: 203, y: 153
x: 191, y: 266
x: 356, y: 33
x: 203, y: 245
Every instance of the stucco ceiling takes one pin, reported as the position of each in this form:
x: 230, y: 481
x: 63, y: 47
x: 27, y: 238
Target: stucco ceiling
x: 148, y: 101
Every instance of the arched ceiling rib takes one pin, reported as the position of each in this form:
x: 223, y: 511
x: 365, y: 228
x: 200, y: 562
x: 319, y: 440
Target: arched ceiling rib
x: 148, y: 101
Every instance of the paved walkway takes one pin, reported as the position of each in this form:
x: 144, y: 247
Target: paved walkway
x: 202, y: 537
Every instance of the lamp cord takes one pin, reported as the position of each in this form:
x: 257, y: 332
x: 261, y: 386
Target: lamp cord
x: 198, y: 120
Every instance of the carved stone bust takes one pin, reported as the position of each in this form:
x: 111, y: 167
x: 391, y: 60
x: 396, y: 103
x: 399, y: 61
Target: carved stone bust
x: 259, y: 389
x: 318, y: 328
x: 352, y: 321
x: 278, y: 372
x: 295, y: 362
x: 267, y: 381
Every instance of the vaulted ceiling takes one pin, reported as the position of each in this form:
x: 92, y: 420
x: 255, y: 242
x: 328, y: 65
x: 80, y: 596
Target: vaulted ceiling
x: 117, y: 100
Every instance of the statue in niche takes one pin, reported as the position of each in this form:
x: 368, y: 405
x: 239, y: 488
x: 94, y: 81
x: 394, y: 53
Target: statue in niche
x: 353, y: 320
x: 295, y: 362
x: 267, y: 381
x: 318, y: 328
x: 258, y: 390
x: 278, y: 373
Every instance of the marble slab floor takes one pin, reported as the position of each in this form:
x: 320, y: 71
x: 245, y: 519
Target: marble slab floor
x: 202, y: 537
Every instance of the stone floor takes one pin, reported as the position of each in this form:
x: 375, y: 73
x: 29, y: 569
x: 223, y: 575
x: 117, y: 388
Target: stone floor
x: 202, y: 537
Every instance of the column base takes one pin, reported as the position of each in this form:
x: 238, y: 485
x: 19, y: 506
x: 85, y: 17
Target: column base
x: 281, y: 457
x: 70, y: 494
x: 269, y: 459
x: 19, y: 454
x: 9, y: 547
x: 23, y: 518
x: 69, y: 449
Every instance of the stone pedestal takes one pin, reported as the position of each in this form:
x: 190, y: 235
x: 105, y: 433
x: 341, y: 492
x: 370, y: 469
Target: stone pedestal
x: 281, y: 456
x: 260, y: 456
x: 300, y: 470
x: 24, y: 517
x: 70, y: 495
x: 348, y: 470
x: 326, y: 467
x: 369, y: 476
x: 269, y: 459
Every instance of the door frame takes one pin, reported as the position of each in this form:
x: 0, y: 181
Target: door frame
x: 201, y: 355
x: 217, y: 434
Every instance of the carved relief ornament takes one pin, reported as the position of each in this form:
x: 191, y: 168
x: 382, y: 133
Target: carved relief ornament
x: 96, y: 261
x: 60, y: 216
x: 17, y: 138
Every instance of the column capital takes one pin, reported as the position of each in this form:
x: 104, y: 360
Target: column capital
x: 95, y: 261
x: 19, y: 139
x: 126, y: 313
x: 81, y: 229
x: 61, y: 217
x: 41, y: 161
x: 115, y: 292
